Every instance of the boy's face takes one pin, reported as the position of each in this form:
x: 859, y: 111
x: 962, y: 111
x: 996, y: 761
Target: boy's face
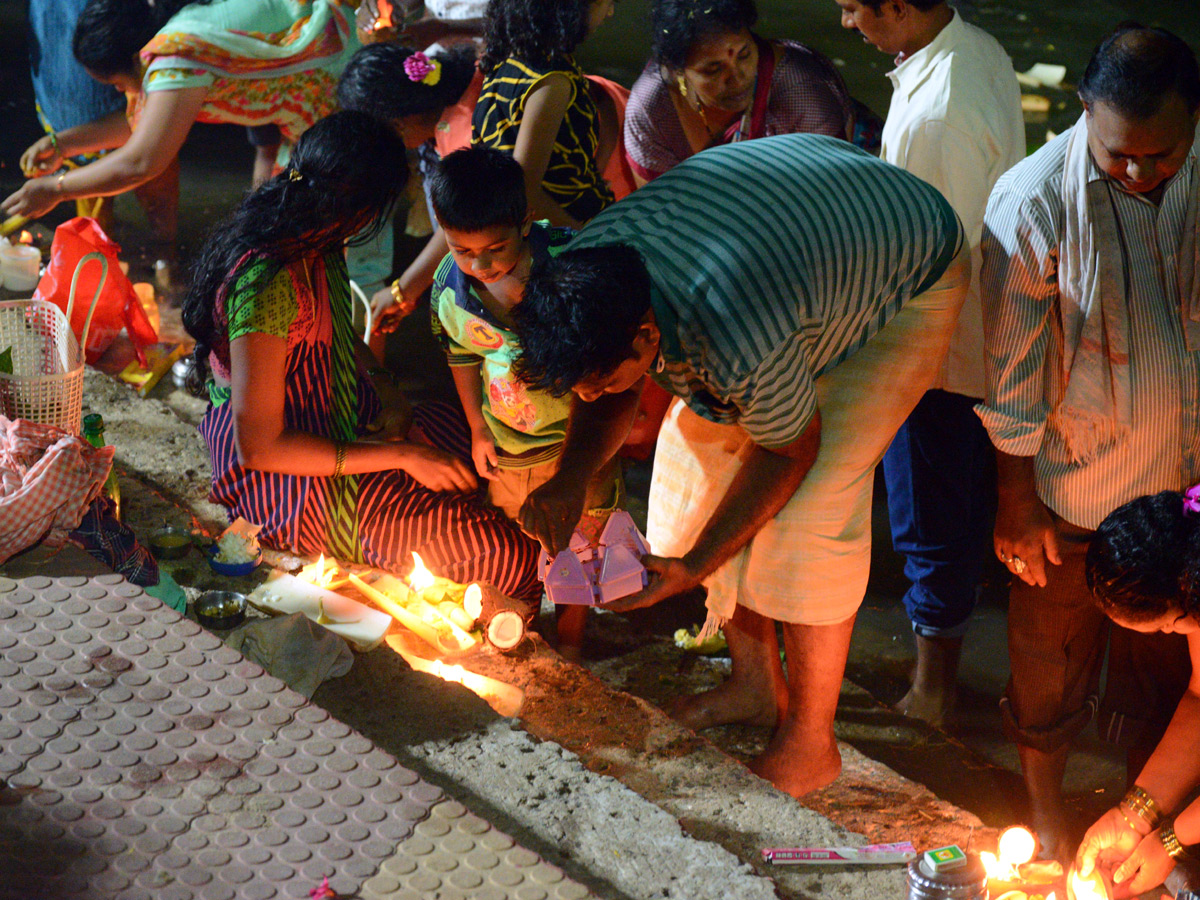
x: 490, y: 254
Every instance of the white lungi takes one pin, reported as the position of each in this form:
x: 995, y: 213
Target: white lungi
x: 809, y: 564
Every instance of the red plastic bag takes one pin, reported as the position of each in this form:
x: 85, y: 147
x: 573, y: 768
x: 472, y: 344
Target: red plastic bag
x: 118, y: 306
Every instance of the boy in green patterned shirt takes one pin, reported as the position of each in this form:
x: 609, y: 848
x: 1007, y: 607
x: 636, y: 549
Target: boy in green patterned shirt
x: 517, y: 432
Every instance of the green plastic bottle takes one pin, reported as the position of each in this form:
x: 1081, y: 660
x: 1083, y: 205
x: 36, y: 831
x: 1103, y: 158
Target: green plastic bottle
x: 93, y: 433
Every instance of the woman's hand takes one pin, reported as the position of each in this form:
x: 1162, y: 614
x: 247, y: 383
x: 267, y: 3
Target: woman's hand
x: 483, y: 454
x: 34, y: 199
x: 1146, y: 868
x: 387, y: 312
x: 41, y: 158
x: 437, y: 469
x: 1109, y: 841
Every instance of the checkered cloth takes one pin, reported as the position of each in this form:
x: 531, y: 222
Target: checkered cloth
x: 48, y: 478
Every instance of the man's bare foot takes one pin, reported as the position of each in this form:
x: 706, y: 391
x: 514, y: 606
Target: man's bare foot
x: 728, y: 703
x: 934, y: 688
x: 796, y: 765
x: 934, y: 709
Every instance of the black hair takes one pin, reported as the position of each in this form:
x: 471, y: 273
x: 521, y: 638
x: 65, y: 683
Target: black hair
x: 537, y: 32
x: 1144, y: 560
x: 478, y: 188
x: 342, y: 183
x: 579, y: 315
x: 677, y: 25
x: 375, y: 82
x: 110, y: 33
x: 923, y: 5
x: 1135, y: 69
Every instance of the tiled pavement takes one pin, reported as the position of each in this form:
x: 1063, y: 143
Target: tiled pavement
x: 142, y: 759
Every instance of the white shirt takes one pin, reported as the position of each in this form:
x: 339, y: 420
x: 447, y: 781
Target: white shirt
x: 955, y: 121
x: 456, y: 10
x: 1025, y: 341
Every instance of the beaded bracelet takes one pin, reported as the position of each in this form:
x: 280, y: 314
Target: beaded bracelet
x: 1142, y: 805
x: 1170, y: 842
x: 54, y: 142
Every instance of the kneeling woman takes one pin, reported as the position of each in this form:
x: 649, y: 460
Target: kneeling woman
x: 270, y: 309
x: 1143, y: 567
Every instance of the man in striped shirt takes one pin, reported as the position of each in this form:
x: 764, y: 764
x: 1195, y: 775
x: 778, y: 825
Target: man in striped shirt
x: 1092, y: 327
x: 797, y: 297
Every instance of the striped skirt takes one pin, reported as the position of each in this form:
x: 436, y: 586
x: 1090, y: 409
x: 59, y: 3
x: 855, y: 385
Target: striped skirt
x: 459, y: 536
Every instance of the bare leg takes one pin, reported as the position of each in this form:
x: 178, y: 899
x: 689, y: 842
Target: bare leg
x: 569, y: 623
x: 264, y: 164
x: 755, y: 692
x: 935, y: 684
x: 1043, y: 779
x: 803, y: 755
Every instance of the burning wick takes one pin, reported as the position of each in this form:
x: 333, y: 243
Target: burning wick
x: 1017, y: 846
x: 1094, y: 887
x: 421, y: 578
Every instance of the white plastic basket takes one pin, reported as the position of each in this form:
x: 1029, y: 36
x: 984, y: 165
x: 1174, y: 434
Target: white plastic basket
x: 46, y: 384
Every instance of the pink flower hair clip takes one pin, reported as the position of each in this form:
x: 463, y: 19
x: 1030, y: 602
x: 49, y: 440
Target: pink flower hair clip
x: 1191, y: 501
x: 420, y: 68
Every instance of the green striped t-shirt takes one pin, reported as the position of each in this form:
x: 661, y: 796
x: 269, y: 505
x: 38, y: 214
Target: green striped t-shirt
x: 771, y: 262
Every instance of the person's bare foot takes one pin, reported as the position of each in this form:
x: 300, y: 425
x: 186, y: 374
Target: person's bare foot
x: 796, y: 764
x: 934, y: 690
x: 731, y: 702
x: 934, y: 709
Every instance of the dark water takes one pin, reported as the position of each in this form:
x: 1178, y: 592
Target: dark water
x: 1057, y: 31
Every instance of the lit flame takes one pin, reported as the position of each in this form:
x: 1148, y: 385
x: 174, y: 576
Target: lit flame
x: 25, y: 238
x: 320, y: 573
x: 1092, y: 888
x: 1017, y: 846
x: 421, y: 578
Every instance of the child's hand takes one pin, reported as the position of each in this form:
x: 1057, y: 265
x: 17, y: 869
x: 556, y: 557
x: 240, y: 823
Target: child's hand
x: 483, y: 454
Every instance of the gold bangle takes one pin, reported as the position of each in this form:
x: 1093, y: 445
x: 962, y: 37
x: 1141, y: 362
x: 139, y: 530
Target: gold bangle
x: 1142, y: 805
x: 58, y: 185
x: 1129, y: 821
x: 1170, y: 842
x: 339, y: 459
x: 397, y: 294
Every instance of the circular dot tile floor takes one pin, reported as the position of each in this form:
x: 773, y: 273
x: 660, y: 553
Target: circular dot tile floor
x: 152, y: 761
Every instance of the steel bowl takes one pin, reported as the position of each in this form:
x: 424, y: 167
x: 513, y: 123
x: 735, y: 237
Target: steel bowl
x: 170, y: 543
x: 220, y: 610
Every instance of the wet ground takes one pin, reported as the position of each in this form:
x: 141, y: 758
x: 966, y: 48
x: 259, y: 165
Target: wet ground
x: 969, y: 763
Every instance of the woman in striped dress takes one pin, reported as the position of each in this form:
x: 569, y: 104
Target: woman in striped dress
x: 536, y: 104
x: 304, y: 436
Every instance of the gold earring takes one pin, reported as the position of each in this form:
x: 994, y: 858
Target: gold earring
x: 682, y: 87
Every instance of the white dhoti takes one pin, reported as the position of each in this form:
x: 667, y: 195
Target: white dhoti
x: 809, y: 564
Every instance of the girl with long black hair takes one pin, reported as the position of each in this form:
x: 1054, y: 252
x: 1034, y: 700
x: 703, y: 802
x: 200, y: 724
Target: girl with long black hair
x: 305, y: 435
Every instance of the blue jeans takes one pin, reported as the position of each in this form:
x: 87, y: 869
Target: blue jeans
x: 941, y: 481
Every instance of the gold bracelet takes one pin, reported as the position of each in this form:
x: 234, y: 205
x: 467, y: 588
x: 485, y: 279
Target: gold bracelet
x: 339, y: 464
x: 397, y: 294
x: 1142, y: 805
x: 1170, y: 842
x: 58, y: 185
x: 1129, y: 821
